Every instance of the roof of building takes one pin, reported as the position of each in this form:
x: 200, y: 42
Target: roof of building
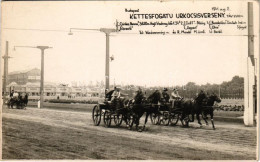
x: 12, y: 84
x: 22, y: 71
x: 33, y: 84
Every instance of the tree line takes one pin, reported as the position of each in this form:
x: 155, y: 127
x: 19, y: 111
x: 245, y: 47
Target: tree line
x: 227, y: 89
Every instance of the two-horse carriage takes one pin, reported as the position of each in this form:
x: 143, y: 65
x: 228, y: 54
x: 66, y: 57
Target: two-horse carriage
x: 116, y: 111
x: 159, y: 112
x: 119, y: 111
x: 168, y: 114
x: 18, y: 102
x: 184, y: 111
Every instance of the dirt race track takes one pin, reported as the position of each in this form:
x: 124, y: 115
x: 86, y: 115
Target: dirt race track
x: 56, y: 134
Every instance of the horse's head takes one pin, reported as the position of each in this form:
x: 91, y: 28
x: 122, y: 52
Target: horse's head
x: 155, y: 97
x: 214, y: 97
x: 132, y: 101
x: 144, y: 100
x: 201, y: 96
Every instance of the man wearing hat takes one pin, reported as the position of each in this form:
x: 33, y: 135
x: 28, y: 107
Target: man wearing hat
x: 118, y: 98
x: 139, y: 96
x: 201, y: 96
x: 116, y: 93
x: 165, y: 95
x: 12, y: 94
x: 108, y: 94
x: 175, y: 95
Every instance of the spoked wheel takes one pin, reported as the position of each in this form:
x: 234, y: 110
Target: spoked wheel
x: 165, y: 118
x: 174, y: 119
x: 118, y: 119
x: 107, y: 118
x: 154, y: 118
x: 96, y: 115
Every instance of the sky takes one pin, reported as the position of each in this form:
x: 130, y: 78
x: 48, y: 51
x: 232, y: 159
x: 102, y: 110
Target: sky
x: 152, y: 60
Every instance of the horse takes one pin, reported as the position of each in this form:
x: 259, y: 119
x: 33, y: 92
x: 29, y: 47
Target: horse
x: 147, y: 105
x: 202, y: 105
x: 189, y: 107
x: 207, y: 108
x: 186, y: 107
x: 19, y: 101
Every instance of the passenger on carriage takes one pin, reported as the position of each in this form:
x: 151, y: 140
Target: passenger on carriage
x: 12, y: 94
x: 15, y: 94
x: 111, y: 95
x: 120, y: 98
x: 115, y: 97
x: 116, y: 94
x: 108, y: 95
x: 175, y: 96
x: 165, y: 95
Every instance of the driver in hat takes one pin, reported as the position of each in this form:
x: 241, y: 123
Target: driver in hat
x: 175, y: 96
x: 165, y: 95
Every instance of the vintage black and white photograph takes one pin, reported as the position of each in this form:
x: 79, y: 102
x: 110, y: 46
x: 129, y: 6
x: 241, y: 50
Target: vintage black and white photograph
x: 130, y: 80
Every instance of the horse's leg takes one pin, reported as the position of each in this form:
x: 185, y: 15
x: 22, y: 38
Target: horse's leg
x: 137, y: 123
x: 212, y: 121
x: 204, y: 116
x: 130, y: 123
x: 192, y: 116
x: 159, y: 117
x: 135, y: 120
x: 198, y: 118
x: 192, y: 113
x: 146, y: 119
x: 125, y: 119
x: 182, y: 118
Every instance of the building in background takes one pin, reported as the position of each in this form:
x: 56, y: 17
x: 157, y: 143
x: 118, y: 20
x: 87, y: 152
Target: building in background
x: 28, y: 81
x: 25, y: 76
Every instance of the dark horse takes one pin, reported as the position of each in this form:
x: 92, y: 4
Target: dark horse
x: 20, y: 102
x: 148, y: 106
x: 202, y: 105
x: 187, y: 108
x: 207, y: 108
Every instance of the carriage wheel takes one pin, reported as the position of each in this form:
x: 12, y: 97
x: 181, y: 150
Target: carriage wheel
x: 107, y: 118
x: 118, y: 119
x: 154, y: 118
x: 174, y: 119
x: 166, y: 118
x: 96, y: 115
